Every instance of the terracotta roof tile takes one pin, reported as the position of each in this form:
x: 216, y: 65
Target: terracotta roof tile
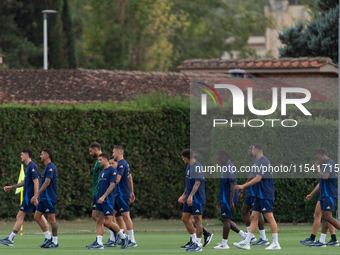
x: 303, y: 62
x: 296, y: 63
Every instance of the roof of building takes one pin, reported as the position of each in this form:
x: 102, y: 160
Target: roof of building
x: 253, y: 65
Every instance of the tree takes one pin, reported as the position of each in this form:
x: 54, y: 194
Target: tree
x: 318, y: 38
x: 21, y: 29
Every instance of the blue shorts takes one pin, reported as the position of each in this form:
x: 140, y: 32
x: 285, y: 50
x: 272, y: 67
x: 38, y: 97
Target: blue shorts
x: 327, y: 203
x: 46, y: 207
x: 263, y: 205
x: 121, y: 205
x: 27, y: 207
x: 106, y: 208
x: 118, y: 214
x: 225, y: 211
x: 249, y: 201
x: 195, y: 209
x: 94, y: 202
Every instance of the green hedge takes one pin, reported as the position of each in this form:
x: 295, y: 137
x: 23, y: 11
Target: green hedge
x: 153, y: 132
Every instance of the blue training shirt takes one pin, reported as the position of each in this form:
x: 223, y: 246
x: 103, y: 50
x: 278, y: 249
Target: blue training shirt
x: 192, y: 174
x: 328, y: 188
x: 250, y: 192
x: 265, y: 188
x: 106, y: 177
x: 31, y: 173
x: 123, y: 169
x: 228, y: 175
x: 49, y: 194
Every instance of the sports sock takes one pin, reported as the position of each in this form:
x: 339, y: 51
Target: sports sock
x: 205, y: 233
x: 249, y: 237
x: 242, y: 234
x: 322, y: 238
x: 248, y: 229
x: 100, y: 240
x: 198, y: 241
x: 193, y: 237
x: 47, y: 235
x: 11, y: 236
x: 55, y: 239
x: 121, y: 234
x: 224, y: 241
x: 263, y: 234
x: 275, y: 238
x: 312, y: 237
x: 112, y: 236
x: 333, y: 238
x: 131, y: 236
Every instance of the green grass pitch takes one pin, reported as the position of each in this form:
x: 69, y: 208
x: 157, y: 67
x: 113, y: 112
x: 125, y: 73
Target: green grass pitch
x: 161, y: 240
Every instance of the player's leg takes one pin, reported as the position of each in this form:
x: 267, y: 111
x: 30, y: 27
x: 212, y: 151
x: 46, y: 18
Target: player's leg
x: 121, y: 223
x: 10, y: 239
x: 226, y: 229
x: 207, y: 235
x: 263, y: 238
x: 327, y: 216
x: 246, y: 206
x: 333, y: 241
x: 100, y: 230
x: 115, y: 228
x: 316, y: 225
x: 40, y: 219
x: 129, y: 228
x: 113, y: 236
x: 197, y: 246
x: 186, y: 218
x: 237, y: 230
x: 254, y: 218
x: 273, y: 227
x: 54, y: 225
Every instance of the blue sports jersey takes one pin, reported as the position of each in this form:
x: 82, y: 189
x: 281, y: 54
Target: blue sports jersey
x: 49, y: 194
x: 227, y: 176
x: 31, y: 173
x: 106, y: 177
x: 265, y: 188
x: 250, y: 192
x: 123, y: 169
x: 194, y: 173
x: 328, y: 188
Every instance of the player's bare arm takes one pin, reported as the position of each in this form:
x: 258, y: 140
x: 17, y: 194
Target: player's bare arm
x: 132, y: 195
x: 248, y: 184
x: 20, y: 184
x: 251, y: 176
x: 107, y: 192
x: 181, y: 199
x: 193, y: 192
x: 315, y: 190
x: 34, y: 199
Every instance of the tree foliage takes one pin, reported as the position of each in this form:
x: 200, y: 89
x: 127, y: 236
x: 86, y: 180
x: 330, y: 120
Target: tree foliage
x: 318, y: 38
x: 21, y: 28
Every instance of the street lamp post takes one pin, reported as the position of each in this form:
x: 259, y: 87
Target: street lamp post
x: 45, y: 12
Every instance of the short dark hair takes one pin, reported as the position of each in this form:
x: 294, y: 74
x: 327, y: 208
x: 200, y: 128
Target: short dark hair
x: 95, y: 145
x: 112, y: 157
x: 258, y: 146
x: 49, y: 152
x: 223, y: 153
x: 119, y: 148
x: 321, y: 151
x: 187, y: 153
x: 28, y: 151
x: 104, y: 155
